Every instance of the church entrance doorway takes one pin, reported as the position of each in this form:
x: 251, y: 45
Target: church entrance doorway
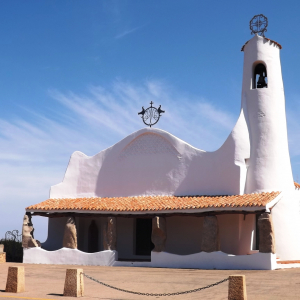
x: 93, y: 238
x: 143, y: 244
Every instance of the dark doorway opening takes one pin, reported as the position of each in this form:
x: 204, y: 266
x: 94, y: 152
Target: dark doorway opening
x: 93, y: 238
x: 143, y: 231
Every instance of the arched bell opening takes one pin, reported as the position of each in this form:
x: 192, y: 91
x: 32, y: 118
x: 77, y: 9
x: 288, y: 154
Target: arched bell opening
x: 260, y: 79
x: 93, y: 238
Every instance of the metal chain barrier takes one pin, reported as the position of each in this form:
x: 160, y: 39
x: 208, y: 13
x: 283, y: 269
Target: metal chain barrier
x: 154, y: 294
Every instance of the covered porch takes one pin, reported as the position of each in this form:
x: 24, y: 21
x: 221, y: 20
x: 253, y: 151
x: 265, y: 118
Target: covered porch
x: 179, y: 227
x: 181, y: 234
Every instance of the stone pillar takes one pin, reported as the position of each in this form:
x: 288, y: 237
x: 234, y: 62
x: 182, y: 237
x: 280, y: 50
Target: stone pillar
x: 74, y: 283
x: 210, y: 235
x: 237, y: 287
x: 159, y: 233
x: 27, y: 239
x: 2, y: 254
x: 2, y: 257
x: 110, y: 234
x: 15, y: 280
x: 70, y: 235
x: 266, y: 233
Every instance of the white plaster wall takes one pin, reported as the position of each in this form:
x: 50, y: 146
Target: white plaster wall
x: 184, y: 234
x: 264, y: 108
x: 66, y: 256
x: 154, y: 162
x: 236, y: 233
x: 228, y: 230
x: 56, y: 229
x: 125, y: 237
x: 203, y: 260
x: 286, y: 220
x: 247, y: 235
x: 215, y: 260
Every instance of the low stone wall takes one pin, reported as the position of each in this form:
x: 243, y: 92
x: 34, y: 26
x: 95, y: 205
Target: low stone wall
x: 215, y: 260
x: 67, y: 256
x: 202, y: 260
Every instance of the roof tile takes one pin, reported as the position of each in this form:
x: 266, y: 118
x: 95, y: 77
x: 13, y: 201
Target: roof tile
x: 272, y: 42
x: 154, y: 203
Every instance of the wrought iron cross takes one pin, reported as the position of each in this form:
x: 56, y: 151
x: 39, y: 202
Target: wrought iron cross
x: 151, y: 115
x: 259, y: 24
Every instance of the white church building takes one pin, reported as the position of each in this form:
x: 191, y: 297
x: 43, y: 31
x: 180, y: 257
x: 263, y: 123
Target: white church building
x: 154, y: 200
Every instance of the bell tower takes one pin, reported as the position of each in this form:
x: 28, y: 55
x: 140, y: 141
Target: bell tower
x: 263, y: 103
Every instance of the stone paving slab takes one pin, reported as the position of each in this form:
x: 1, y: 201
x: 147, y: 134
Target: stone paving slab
x: 47, y: 282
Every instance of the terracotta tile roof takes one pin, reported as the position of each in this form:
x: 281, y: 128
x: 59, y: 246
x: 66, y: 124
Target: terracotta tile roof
x: 277, y: 44
x: 155, y: 203
x: 297, y: 185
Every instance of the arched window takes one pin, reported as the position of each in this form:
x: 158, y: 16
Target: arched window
x: 93, y: 238
x: 260, y: 79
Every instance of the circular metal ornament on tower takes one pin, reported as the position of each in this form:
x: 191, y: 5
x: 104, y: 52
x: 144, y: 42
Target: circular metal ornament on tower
x: 151, y: 115
x: 259, y: 24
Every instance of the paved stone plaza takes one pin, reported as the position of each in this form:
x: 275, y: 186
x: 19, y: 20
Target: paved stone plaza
x: 47, y: 282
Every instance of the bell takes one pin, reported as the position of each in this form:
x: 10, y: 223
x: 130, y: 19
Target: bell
x: 261, y: 83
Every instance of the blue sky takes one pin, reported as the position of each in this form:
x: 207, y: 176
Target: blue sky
x: 74, y: 74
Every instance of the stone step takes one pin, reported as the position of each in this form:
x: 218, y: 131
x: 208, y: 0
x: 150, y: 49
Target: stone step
x: 288, y: 261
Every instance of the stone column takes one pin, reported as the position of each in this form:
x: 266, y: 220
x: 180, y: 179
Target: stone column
x: 27, y: 239
x: 210, y: 235
x: 70, y: 235
x: 2, y: 254
x: 266, y: 233
x: 110, y: 234
x: 159, y: 233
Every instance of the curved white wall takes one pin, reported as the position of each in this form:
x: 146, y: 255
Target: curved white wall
x: 202, y: 260
x: 286, y: 219
x: 56, y: 229
x: 66, y: 256
x: 269, y: 163
x: 214, y: 260
x: 154, y: 162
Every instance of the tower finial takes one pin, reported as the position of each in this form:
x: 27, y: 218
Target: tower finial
x: 259, y: 24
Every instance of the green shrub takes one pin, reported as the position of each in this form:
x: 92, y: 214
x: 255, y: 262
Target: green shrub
x: 13, y: 249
